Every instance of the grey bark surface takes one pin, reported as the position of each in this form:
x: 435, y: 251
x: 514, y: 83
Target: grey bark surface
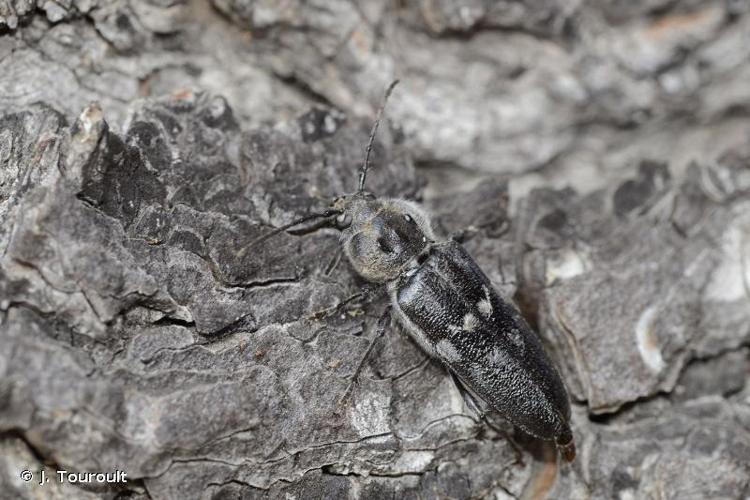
x: 593, y: 157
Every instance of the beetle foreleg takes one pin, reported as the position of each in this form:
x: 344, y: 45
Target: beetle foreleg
x: 334, y: 262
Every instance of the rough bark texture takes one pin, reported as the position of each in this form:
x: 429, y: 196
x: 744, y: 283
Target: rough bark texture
x: 594, y: 158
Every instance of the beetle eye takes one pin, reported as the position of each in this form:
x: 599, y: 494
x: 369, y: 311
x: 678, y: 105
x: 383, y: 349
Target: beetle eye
x: 344, y: 220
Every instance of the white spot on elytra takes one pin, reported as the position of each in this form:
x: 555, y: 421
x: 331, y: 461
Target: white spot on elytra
x: 447, y: 351
x: 485, y: 308
x: 470, y: 322
x: 515, y: 336
x: 646, y: 341
x: 497, y: 358
x: 485, y: 305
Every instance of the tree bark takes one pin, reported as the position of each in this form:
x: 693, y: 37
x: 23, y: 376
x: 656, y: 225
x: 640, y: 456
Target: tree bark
x: 593, y: 158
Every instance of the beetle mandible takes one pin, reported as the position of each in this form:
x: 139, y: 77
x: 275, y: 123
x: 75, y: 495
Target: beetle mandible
x: 449, y: 307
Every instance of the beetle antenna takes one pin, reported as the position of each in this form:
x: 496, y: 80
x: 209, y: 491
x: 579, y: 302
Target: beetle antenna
x: 366, y: 164
x: 328, y: 213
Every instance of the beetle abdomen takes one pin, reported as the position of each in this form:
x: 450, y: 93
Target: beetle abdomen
x: 451, y: 308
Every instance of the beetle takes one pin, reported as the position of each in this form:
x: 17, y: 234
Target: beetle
x: 449, y: 307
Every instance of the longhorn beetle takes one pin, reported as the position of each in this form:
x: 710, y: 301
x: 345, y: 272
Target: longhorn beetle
x: 449, y: 307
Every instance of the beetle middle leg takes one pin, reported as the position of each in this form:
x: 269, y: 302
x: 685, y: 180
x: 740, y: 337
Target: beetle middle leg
x: 380, y: 329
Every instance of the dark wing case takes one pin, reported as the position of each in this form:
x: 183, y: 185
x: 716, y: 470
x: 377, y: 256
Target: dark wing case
x: 484, y: 341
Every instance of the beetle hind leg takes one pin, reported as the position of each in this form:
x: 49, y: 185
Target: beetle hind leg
x: 469, y: 400
x: 482, y: 415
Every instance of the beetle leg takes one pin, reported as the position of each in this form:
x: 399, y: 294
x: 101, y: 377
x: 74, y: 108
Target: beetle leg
x: 370, y: 292
x: 380, y: 329
x: 334, y: 262
x: 469, y: 399
x: 365, y: 296
x: 476, y: 408
x: 512, y: 442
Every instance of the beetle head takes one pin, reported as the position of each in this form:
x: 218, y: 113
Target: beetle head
x: 382, y: 236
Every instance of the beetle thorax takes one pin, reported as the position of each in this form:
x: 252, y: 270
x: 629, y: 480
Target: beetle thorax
x: 384, y: 236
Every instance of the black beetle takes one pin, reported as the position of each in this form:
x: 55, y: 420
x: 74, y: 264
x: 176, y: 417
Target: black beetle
x: 449, y: 307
